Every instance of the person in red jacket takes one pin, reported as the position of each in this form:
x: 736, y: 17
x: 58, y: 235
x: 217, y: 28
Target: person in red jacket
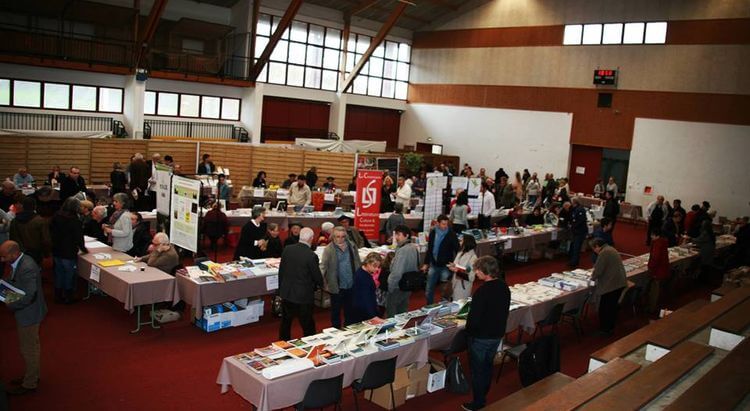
x: 658, y: 267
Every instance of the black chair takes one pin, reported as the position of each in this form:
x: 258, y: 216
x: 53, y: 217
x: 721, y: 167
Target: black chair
x: 630, y: 297
x: 552, y: 319
x: 514, y: 352
x: 576, y: 316
x: 459, y: 344
x: 377, y: 374
x: 322, y: 393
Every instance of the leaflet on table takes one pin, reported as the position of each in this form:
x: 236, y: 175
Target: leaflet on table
x: 95, y: 274
x: 95, y: 244
x: 9, y: 293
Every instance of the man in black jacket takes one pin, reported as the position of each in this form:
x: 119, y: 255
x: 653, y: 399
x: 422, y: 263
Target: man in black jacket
x: 611, y: 208
x: 72, y: 184
x: 299, y: 276
x: 442, y: 246
x: 579, y: 229
x: 485, y: 327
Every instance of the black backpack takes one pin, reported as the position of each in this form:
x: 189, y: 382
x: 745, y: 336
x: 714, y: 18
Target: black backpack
x: 455, y: 380
x: 540, y: 359
x: 412, y: 281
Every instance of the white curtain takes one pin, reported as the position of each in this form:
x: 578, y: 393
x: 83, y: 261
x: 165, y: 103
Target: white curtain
x: 341, y: 146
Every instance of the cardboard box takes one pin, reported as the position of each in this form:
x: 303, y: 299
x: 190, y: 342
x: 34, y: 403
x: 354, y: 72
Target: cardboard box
x: 418, y: 377
x: 245, y: 316
x: 382, y: 396
x: 209, y: 323
x: 436, y: 379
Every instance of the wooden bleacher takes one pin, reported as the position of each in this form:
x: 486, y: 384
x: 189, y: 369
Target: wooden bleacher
x: 723, y: 387
x: 641, y: 388
x: 532, y: 393
x: 722, y: 291
x: 639, y: 338
x: 728, y: 331
x: 580, y: 391
x: 681, y: 330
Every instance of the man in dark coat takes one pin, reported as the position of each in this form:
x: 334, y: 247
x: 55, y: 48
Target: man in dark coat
x: 139, y: 175
x: 72, y: 184
x: 30, y: 231
x: 299, y: 277
x: 29, y: 310
x: 442, y: 246
x: 579, y: 229
x: 252, y: 237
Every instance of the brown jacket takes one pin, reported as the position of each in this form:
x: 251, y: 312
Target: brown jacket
x: 31, y: 232
x: 609, y: 273
x: 165, y: 261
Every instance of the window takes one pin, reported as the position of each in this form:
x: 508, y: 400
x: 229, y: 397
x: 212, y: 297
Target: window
x: 163, y: 103
x: 4, y: 92
x: 189, y: 105
x: 572, y: 34
x: 27, y: 93
x: 84, y: 98
x: 656, y: 32
x: 56, y: 96
x: 615, y: 33
x: 110, y: 99
x: 612, y: 34
x: 60, y: 96
x: 592, y: 34
x: 210, y: 107
x: 166, y: 104
x: 149, y: 104
x: 230, y: 109
x: 309, y: 55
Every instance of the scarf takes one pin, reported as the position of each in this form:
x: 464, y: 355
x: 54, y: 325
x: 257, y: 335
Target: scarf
x: 116, y: 216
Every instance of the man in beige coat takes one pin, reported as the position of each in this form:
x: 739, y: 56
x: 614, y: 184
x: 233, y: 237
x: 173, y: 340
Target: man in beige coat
x: 609, y: 274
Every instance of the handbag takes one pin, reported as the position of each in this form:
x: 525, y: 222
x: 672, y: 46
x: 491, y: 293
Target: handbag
x: 412, y: 281
x: 455, y: 378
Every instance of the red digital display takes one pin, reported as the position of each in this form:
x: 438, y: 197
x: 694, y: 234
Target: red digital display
x: 605, y: 77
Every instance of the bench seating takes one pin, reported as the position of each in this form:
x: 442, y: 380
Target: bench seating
x: 727, y: 331
x: 641, y: 388
x: 723, y: 387
x: 578, y: 392
x: 722, y: 291
x: 638, y: 338
x: 532, y: 393
x: 691, y: 324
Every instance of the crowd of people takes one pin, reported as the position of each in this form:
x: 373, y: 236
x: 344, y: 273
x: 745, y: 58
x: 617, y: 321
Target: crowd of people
x: 359, y: 289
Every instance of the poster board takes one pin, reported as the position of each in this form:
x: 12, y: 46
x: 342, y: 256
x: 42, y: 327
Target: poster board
x: 433, y: 200
x: 184, y: 212
x: 367, y: 209
x: 163, y: 184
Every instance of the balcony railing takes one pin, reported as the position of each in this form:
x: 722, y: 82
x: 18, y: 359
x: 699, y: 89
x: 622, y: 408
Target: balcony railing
x: 54, y: 122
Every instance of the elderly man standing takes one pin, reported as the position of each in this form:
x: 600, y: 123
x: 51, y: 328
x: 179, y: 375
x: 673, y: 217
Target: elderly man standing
x: 405, y: 260
x: 340, y: 262
x: 93, y: 227
x: 403, y: 192
x: 299, y: 276
x: 29, y: 310
x: 609, y: 274
x: 300, y: 194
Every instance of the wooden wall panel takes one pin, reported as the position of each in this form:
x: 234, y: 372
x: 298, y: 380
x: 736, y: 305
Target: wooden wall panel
x: 235, y: 156
x: 338, y: 165
x: 183, y: 153
x: 277, y: 162
x: 104, y: 152
x: 43, y: 153
x: 13, y: 156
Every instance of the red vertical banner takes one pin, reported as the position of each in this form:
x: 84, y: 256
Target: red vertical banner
x: 367, y: 211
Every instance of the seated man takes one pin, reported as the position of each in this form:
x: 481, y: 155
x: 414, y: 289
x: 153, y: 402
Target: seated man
x: 162, y: 254
x: 23, y: 178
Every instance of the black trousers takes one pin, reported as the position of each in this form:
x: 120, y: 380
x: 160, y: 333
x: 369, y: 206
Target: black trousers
x: 608, y: 309
x: 290, y: 311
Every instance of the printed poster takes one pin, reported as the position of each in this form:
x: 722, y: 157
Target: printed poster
x: 367, y: 210
x: 183, y: 214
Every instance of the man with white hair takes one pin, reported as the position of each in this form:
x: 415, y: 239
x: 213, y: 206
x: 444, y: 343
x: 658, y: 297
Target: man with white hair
x: 340, y: 262
x: 299, y: 277
x: 163, y: 254
x: 92, y: 227
x: 403, y: 193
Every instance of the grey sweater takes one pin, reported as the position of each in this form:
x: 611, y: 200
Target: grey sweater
x: 405, y: 260
x: 458, y: 215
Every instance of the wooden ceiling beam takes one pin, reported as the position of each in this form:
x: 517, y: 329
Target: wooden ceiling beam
x: 284, y: 24
x: 148, y: 33
x: 384, y: 30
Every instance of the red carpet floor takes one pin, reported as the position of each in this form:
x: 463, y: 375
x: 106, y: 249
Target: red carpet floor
x: 91, y: 362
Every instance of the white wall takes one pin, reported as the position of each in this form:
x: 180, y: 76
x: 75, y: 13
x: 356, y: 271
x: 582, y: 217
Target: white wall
x: 692, y: 162
x: 492, y: 138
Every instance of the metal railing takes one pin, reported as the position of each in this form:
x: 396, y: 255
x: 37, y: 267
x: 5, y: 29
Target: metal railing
x: 54, y: 122
x: 188, y: 129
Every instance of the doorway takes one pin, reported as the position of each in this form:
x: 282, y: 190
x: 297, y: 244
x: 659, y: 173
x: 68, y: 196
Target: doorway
x: 615, y: 164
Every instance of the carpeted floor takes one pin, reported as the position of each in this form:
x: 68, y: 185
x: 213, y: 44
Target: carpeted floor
x: 91, y: 362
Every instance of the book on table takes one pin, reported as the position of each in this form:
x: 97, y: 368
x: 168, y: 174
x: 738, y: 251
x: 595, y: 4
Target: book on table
x: 270, y: 352
x: 284, y: 345
x: 387, y: 344
x: 297, y: 352
x: 445, y: 323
